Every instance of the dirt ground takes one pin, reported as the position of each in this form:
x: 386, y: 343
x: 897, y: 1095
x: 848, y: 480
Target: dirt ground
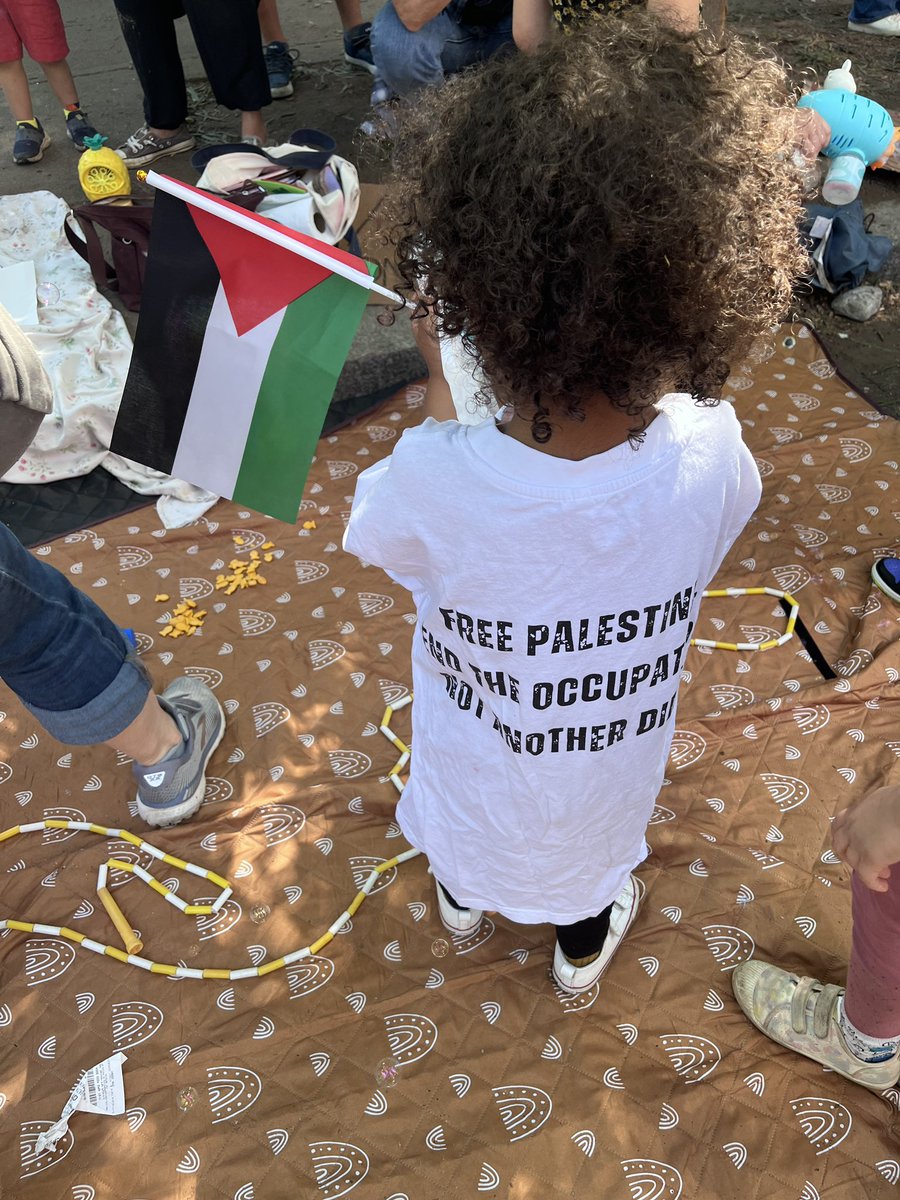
x: 811, y: 35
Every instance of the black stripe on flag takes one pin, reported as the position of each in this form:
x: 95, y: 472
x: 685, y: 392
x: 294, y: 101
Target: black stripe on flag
x: 179, y: 287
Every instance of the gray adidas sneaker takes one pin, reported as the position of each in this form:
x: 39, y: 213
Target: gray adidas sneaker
x: 173, y: 790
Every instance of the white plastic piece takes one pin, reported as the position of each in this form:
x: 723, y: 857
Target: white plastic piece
x: 187, y: 973
x: 49, y: 930
x: 144, y: 963
x: 217, y: 904
x: 370, y: 883
x: 90, y: 944
x: 32, y: 827
x: 342, y: 919
x: 102, y: 873
x: 841, y: 77
x: 243, y: 973
x: 296, y: 955
x: 154, y: 850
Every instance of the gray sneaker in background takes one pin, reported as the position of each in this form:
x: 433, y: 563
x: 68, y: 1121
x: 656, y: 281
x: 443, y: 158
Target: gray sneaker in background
x: 144, y: 147
x: 173, y: 790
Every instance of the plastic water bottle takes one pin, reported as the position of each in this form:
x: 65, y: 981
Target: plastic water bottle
x: 844, y: 179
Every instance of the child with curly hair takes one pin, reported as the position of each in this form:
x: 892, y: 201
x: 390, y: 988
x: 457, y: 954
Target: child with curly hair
x: 608, y: 224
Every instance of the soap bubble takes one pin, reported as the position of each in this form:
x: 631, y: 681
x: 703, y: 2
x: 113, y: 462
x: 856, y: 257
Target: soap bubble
x: 440, y: 947
x: 186, y: 1099
x: 258, y: 913
x: 387, y: 1072
x: 48, y: 293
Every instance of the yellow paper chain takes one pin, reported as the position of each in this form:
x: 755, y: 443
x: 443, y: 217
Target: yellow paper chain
x: 405, y: 752
x: 751, y: 646
x: 133, y: 945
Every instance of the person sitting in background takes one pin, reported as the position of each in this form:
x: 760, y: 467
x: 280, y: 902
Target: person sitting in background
x: 38, y: 25
x: 535, y: 20
x: 417, y: 43
x: 228, y: 40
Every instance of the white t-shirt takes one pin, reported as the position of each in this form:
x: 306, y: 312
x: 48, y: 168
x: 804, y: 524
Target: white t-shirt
x: 555, y: 600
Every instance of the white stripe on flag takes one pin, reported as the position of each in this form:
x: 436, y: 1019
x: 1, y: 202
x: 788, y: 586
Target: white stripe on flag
x: 229, y: 374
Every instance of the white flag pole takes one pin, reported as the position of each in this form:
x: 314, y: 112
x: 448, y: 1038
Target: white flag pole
x: 244, y: 221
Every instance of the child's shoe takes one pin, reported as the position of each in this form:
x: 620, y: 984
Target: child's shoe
x: 172, y: 790
x: 30, y: 143
x: 803, y: 1014
x: 280, y: 68
x: 357, y: 47
x: 574, y: 979
x: 461, y: 921
x: 79, y: 128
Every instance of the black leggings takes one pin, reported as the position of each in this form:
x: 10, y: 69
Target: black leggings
x: 230, y: 47
x: 579, y: 940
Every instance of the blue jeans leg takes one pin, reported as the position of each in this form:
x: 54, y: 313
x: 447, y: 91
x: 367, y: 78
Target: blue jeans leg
x: 408, y: 62
x: 61, y: 655
x: 866, y: 11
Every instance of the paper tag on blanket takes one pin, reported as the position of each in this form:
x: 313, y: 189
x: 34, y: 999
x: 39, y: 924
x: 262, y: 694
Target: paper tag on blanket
x: 99, y: 1090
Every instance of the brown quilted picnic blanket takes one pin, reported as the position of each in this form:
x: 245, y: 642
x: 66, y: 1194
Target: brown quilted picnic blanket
x: 400, y: 1063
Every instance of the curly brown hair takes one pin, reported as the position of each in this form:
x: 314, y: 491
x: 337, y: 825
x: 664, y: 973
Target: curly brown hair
x: 616, y: 214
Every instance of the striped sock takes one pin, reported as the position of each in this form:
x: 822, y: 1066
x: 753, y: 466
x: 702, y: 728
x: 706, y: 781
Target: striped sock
x: 864, y: 1047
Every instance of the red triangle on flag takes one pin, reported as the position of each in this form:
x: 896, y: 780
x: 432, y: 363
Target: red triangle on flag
x: 258, y: 277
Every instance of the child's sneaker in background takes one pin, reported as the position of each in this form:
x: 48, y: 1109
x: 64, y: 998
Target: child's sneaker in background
x: 172, y: 790
x: 804, y: 1015
x: 280, y: 68
x: 357, y: 47
x: 30, y: 143
x: 79, y: 128
x: 574, y: 979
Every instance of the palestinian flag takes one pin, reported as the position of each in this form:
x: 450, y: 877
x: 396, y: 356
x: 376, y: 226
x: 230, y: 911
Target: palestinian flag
x: 239, y: 346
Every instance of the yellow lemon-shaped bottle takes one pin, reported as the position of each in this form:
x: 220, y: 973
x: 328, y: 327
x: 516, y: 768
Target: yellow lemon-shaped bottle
x: 101, y: 172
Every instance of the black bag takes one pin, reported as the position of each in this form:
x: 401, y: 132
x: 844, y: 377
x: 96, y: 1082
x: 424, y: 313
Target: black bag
x: 128, y: 226
x: 842, y: 251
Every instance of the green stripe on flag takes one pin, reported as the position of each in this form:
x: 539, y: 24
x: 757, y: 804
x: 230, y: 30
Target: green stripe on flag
x: 296, y: 389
